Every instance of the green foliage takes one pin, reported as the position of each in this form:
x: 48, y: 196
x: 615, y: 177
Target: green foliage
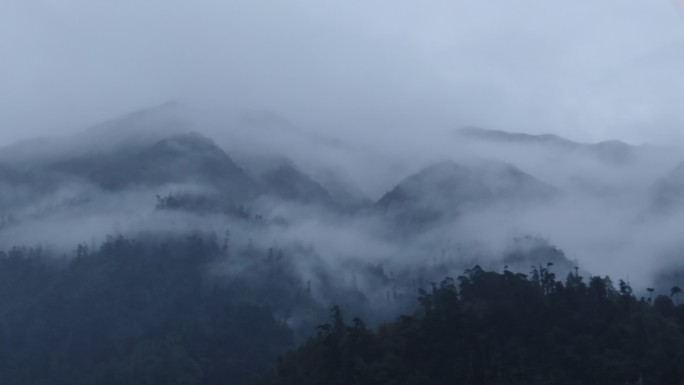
x: 493, y: 328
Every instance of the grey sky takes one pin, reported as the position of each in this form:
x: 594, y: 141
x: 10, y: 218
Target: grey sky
x: 586, y: 69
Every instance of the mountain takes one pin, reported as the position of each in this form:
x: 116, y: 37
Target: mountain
x: 16, y: 187
x: 289, y: 183
x: 139, y: 128
x: 668, y: 193
x: 515, y: 138
x: 611, y: 151
x: 22, y: 185
x: 527, y: 251
x: 135, y: 130
x: 343, y: 190
x: 152, y: 147
x: 156, y: 147
x: 258, y: 137
x: 184, y: 159
x: 448, y: 189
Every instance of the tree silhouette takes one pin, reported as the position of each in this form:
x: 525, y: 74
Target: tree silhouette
x: 500, y: 328
x: 130, y: 312
x: 675, y: 291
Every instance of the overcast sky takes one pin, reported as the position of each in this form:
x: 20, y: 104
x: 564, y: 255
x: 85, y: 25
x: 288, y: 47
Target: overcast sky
x: 586, y: 69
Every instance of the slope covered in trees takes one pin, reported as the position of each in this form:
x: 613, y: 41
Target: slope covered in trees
x: 130, y: 313
x: 196, y: 310
x: 490, y: 328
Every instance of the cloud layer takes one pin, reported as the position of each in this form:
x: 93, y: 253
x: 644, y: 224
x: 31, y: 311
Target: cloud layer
x: 371, y: 71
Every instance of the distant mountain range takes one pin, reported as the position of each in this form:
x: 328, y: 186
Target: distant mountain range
x: 612, y: 151
x: 158, y: 147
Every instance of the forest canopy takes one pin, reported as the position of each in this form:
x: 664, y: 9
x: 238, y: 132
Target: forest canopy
x: 492, y: 328
x: 149, y: 312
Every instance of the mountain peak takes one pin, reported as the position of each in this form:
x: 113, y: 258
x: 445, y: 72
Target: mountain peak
x: 139, y: 128
x: 449, y: 188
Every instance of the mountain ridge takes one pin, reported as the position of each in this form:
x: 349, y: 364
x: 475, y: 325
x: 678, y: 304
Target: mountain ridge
x: 609, y: 151
x: 449, y: 188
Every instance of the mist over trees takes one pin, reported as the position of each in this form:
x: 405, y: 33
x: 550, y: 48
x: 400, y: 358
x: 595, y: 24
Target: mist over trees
x: 166, y: 310
x: 130, y: 312
x: 502, y: 328
x: 157, y: 249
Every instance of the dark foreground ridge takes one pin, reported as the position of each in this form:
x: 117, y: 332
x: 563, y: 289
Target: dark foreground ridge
x: 131, y: 313
x: 169, y: 311
x: 489, y: 328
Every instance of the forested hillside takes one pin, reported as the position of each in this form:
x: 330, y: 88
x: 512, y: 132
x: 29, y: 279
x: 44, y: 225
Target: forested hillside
x: 163, y: 310
x: 130, y: 313
x: 490, y: 328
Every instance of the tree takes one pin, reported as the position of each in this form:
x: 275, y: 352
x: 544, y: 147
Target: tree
x: 131, y: 312
x: 675, y: 291
x: 663, y: 305
x: 500, y: 328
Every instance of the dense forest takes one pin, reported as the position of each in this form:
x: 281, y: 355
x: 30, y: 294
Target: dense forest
x: 491, y: 328
x: 154, y: 311
x: 130, y: 313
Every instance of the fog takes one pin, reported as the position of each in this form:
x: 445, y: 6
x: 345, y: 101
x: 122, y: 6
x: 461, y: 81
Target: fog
x: 335, y: 115
x: 379, y: 72
x: 598, y: 203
